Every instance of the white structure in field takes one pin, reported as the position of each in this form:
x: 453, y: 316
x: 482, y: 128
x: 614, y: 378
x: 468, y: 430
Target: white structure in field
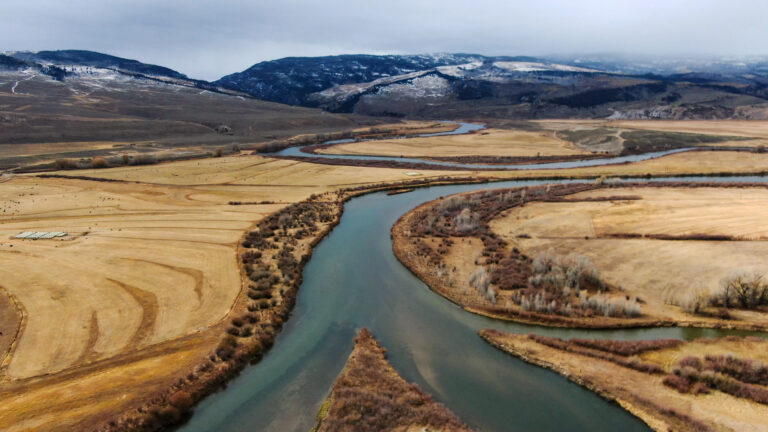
x: 35, y: 235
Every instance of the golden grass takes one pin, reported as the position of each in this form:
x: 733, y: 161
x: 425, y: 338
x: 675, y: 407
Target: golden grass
x: 697, y: 162
x: 146, y: 265
x: 9, y: 150
x: 491, y: 142
x: 741, y: 128
x: 149, y: 271
x: 652, y: 269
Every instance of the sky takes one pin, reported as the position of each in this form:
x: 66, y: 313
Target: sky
x: 208, y: 39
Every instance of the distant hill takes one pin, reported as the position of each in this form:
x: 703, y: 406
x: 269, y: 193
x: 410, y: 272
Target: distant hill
x: 471, y: 85
x: 95, y: 59
x: 69, y: 99
x: 440, y: 86
x: 292, y: 80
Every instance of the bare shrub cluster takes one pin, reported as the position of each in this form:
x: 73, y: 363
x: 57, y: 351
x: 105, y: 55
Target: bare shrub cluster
x: 549, y: 284
x: 572, y: 272
x: 744, y: 378
x: 627, y: 347
x: 481, y: 283
x: 741, y: 290
x: 595, y: 352
x: 370, y: 396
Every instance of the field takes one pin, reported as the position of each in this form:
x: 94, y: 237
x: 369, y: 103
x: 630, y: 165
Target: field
x: 548, y: 140
x: 491, y: 142
x: 370, y: 395
x: 592, y: 256
x: 145, y: 277
x: 610, y: 134
x: 636, y: 382
x: 655, y: 270
x: 143, y: 287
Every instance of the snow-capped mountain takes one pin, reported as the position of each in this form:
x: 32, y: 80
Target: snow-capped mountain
x: 445, y: 85
x: 89, y: 65
x: 470, y: 84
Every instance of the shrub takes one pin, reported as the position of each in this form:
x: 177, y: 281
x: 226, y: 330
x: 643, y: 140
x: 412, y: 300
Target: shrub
x: 479, y: 281
x: 627, y: 348
x: 167, y: 415
x: 144, y: 159
x: 741, y: 289
x: 181, y: 400
x: 552, y: 271
x: 728, y: 374
x: 66, y: 164
x: 99, y: 162
x: 466, y: 221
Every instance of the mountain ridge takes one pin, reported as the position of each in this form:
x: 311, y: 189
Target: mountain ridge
x: 463, y: 85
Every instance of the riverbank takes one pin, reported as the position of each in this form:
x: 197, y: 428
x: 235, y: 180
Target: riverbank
x: 272, y: 257
x: 470, y: 260
x: 637, y: 382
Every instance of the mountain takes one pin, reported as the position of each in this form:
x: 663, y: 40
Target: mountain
x: 97, y: 60
x: 470, y: 85
x: 69, y: 64
x: 81, y: 104
x: 291, y: 80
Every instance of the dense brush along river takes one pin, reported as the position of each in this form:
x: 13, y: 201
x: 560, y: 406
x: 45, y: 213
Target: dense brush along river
x: 354, y: 280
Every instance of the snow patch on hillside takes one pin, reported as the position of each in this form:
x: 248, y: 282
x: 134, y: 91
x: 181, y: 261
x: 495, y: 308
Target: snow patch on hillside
x: 429, y: 86
x: 458, y: 70
x: 538, y: 67
x: 345, y: 91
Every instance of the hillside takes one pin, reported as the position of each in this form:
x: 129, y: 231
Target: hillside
x: 77, y: 104
x: 475, y: 86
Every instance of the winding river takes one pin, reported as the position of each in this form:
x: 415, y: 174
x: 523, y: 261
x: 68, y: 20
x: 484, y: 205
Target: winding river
x: 354, y: 281
x: 469, y: 127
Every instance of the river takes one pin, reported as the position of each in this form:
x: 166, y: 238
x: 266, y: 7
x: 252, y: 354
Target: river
x: 469, y: 127
x: 354, y: 281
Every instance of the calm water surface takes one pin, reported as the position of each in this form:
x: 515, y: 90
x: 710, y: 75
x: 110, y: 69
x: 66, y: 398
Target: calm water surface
x: 354, y: 281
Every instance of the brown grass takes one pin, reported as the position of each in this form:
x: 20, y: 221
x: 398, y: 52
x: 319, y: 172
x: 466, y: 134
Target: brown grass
x: 669, y: 222
x: 427, y: 242
x: 153, y: 262
x: 491, y: 142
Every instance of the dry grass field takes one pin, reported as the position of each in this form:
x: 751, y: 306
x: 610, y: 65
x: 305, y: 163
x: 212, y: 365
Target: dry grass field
x: 491, y: 142
x: 695, y: 162
x: 745, y: 128
x: 643, y: 394
x: 140, y: 290
x: 738, y: 128
x: 656, y: 270
x: 139, y: 287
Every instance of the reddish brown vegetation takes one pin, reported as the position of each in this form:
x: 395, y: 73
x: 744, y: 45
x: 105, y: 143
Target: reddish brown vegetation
x: 744, y: 378
x: 566, y: 287
x: 599, y: 353
x: 468, y: 215
x: 370, y: 396
x: 627, y: 347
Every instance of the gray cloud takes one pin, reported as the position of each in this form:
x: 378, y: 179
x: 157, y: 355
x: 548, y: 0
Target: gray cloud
x: 207, y: 39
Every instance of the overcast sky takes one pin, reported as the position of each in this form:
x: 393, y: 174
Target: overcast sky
x: 208, y: 39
